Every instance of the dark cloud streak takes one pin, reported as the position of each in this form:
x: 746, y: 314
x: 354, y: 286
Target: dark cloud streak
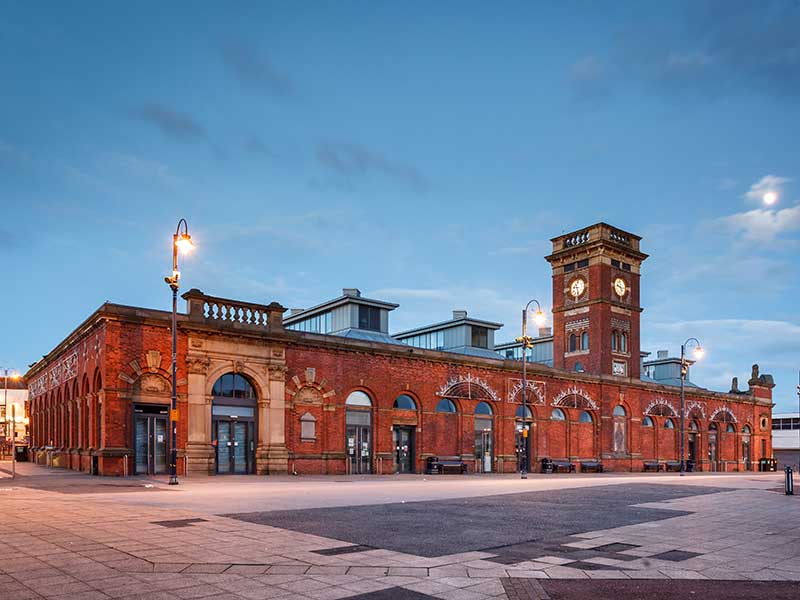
x: 172, y: 123
x: 350, y: 159
x: 255, y: 71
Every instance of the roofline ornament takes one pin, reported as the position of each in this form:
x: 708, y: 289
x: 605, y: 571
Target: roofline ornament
x: 723, y: 409
x: 574, y: 391
x: 470, y: 381
x: 660, y: 402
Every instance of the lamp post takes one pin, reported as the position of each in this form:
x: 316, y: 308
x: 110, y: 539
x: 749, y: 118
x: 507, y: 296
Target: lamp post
x: 698, y: 352
x: 180, y: 241
x: 527, y: 342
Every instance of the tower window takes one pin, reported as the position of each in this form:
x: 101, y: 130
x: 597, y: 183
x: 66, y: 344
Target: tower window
x: 614, y: 340
x: 369, y: 318
x: 480, y: 337
x: 623, y: 346
x: 585, y: 340
x: 573, y: 342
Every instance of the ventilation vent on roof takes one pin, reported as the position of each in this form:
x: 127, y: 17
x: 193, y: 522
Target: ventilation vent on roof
x: 459, y: 314
x: 351, y: 292
x: 663, y: 353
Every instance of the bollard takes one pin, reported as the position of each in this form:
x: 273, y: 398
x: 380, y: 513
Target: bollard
x: 789, y: 485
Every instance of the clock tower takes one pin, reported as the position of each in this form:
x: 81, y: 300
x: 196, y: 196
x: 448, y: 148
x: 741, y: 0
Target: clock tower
x: 596, y: 301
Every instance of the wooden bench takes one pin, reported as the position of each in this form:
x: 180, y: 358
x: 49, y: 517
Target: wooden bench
x: 444, y: 466
x: 563, y: 466
x: 672, y: 465
x: 591, y: 466
x: 652, y: 465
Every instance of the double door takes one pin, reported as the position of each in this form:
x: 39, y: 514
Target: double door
x: 403, y: 449
x: 359, y: 448
x: 235, y: 446
x: 152, y: 441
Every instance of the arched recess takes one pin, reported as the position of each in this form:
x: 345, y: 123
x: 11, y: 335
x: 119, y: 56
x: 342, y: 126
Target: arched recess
x: 619, y: 434
x: 234, y: 416
x: 727, y: 449
x: 483, y: 439
x: 358, y: 432
x: 405, y: 419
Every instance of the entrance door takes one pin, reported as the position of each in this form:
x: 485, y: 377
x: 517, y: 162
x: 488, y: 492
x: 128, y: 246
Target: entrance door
x: 693, y: 447
x: 712, y: 450
x: 235, y: 444
x: 150, y: 444
x: 746, y: 453
x: 483, y: 445
x: 403, y: 449
x: 358, y: 448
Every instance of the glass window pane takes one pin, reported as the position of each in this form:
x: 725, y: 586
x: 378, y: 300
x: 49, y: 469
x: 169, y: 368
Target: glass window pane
x: 557, y: 415
x: 585, y: 417
x: 483, y: 408
x: 445, y: 406
x: 405, y: 402
x: 358, y: 398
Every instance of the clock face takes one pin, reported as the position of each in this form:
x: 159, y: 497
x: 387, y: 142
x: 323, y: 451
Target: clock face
x: 577, y: 287
x: 620, y: 287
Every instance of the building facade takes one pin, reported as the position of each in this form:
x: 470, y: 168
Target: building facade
x: 786, y: 439
x: 329, y: 390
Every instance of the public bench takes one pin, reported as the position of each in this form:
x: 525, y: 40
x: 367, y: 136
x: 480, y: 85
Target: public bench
x: 437, y: 466
x: 591, y: 466
x: 563, y: 466
x: 652, y: 465
x: 672, y: 465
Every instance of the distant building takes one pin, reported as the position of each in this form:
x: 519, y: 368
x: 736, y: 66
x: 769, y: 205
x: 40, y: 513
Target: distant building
x: 542, y: 351
x: 665, y: 369
x: 15, y: 404
x: 786, y: 439
x: 461, y: 335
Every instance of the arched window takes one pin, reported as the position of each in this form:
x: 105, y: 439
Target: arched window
x: 746, y: 429
x: 585, y: 417
x: 358, y: 398
x: 693, y: 426
x: 730, y: 428
x: 623, y: 345
x: 446, y: 406
x: 668, y: 424
x: 557, y: 415
x: 585, y: 340
x: 308, y: 428
x: 405, y: 402
x: 233, y: 385
x: 647, y: 422
x: 619, y: 411
x: 712, y: 426
x: 483, y: 408
x: 573, y: 342
x: 528, y: 413
x: 614, y: 335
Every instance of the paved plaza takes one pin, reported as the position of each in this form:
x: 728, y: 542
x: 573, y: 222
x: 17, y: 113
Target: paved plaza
x: 68, y: 535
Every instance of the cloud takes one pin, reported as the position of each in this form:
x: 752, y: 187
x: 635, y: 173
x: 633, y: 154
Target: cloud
x: 763, y: 224
x: 256, y: 147
x: 350, y: 159
x: 172, y: 123
x: 255, y: 71
x: 768, y: 183
x: 709, y: 49
x: 726, y: 184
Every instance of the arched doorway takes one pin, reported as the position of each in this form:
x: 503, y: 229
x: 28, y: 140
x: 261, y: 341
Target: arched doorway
x: 620, y: 434
x: 712, y: 446
x: 748, y: 466
x: 692, y: 443
x: 233, y: 424
x: 522, y: 436
x: 358, y: 434
x: 484, y: 437
x: 403, y: 428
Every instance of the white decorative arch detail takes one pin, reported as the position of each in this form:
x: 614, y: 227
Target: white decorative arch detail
x: 723, y: 409
x: 534, y: 395
x: 695, y: 405
x: 454, y: 386
x: 660, y: 402
x: 574, y: 391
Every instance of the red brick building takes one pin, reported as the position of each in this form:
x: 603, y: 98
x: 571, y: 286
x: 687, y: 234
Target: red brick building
x: 327, y: 390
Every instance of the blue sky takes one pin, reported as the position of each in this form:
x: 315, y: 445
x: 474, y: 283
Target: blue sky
x: 423, y: 153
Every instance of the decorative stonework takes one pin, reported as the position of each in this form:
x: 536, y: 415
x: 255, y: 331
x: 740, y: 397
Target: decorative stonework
x: 198, y: 366
x: 153, y: 358
x: 535, y: 391
x: 308, y: 389
x: 723, y: 413
x: 562, y: 399
x: 150, y: 383
x: 661, y: 408
x: 467, y: 388
x: 579, y: 324
x: 694, y: 405
x: 61, y: 372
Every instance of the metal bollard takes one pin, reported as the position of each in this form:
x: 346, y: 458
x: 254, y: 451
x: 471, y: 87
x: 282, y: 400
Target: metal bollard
x: 789, y: 485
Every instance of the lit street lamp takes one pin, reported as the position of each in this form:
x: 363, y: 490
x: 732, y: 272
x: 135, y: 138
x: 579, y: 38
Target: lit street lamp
x: 180, y: 242
x: 14, y: 376
x: 527, y: 342
x: 698, y: 353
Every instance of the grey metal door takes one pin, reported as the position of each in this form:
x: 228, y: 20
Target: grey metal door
x: 150, y: 444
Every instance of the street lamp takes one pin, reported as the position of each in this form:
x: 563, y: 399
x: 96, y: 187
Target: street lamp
x: 182, y: 242
x: 698, y: 353
x: 527, y: 342
x: 14, y: 377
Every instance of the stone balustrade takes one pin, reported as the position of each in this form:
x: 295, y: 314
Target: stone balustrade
x: 234, y: 313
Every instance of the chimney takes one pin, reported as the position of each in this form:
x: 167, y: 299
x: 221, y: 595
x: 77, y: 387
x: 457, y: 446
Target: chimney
x: 662, y: 354
x: 545, y: 331
x: 294, y: 311
x: 459, y: 314
x: 355, y: 292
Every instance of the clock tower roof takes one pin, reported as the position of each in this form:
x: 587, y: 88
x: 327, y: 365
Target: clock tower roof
x: 588, y: 239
